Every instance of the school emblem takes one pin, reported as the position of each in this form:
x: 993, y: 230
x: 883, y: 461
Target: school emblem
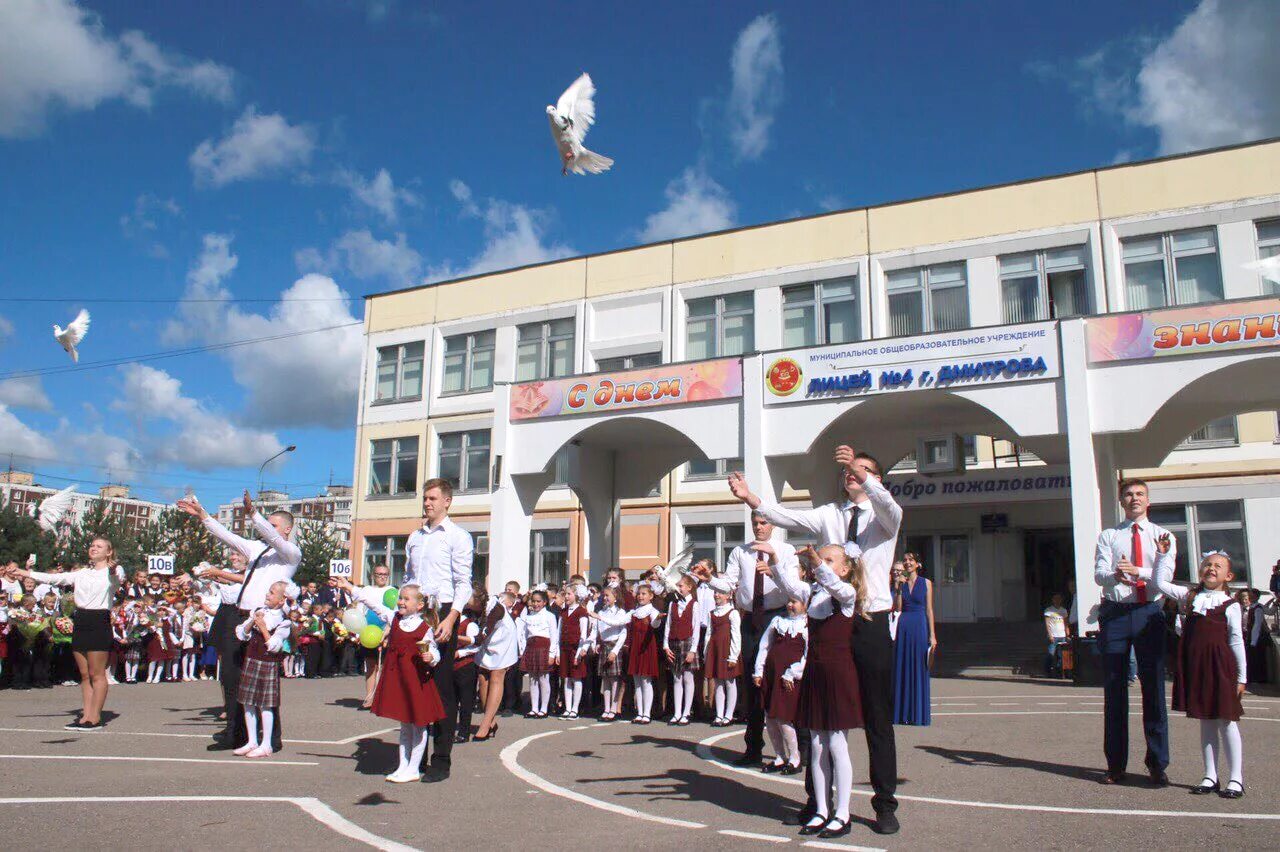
x: 783, y: 376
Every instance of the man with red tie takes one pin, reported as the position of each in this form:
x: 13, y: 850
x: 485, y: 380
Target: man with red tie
x: 1130, y: 617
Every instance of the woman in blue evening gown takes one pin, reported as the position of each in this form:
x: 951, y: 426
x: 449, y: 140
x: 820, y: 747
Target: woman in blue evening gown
x: 913, y: 649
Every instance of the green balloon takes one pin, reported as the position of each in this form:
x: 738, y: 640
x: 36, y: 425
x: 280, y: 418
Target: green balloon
x: 371, y: 636
x: 390, y: 597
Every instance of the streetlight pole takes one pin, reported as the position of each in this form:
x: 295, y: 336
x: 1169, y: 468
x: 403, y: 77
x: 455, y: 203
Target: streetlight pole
x: 263, y: 467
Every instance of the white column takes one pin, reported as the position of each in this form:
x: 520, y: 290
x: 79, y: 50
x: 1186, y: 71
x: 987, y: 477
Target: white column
x: 756, y: 466
x: 511, y: 517
x: 1086, y: 503
x: 592, y: 472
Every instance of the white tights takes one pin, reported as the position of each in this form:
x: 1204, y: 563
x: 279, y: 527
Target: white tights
x: 1232, y: 747
x: 153, y: 671
x: 251, y: 717
x: 612, y: 689
x: 189, y: 664
x: 413, y: 742
x: 682, y: 694
x: 726, y: 698
x: 131, y: 672
x: 829, y: 762
x: 782, y: 736
x: 539, y: 692
x: 572, y: 694
x: 644, y: 696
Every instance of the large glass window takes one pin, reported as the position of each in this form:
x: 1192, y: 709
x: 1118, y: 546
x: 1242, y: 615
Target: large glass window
x: 1180, y: 268
x: 545, y: 350
x: 1269, y: 250
x: 711, y: 468
x: 399, y: 372
x: 549, y: 556
x: 464, y: 460
x: 468, y: 363
x: 630, y: 362
x: 714, y: 541
x: 385, y: 550
x: 820, y: 313
x: 1043, y: 285
x: 393, y: 467
x: 719, y: 326
x: 1215, y: 433
x: 1201, y: 527
x: 927, y: 299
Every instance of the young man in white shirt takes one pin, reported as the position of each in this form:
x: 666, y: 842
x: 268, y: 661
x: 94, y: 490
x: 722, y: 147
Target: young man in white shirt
x: 1131, y: 617
x: 438, y: 560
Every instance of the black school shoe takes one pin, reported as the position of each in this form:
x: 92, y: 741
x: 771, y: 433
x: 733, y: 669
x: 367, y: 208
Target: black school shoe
x: 1206, y: 787
x: 1232, y: 792
x: 835, y: 828
x: 886, y: 823
x: 800, y: 817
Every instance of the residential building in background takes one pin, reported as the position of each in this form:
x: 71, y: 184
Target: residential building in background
x: 332, y: 508
x: 20, y: 490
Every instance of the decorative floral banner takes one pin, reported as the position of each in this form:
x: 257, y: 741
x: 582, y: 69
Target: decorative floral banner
x: 671, y: 384
x: 1211, y: 327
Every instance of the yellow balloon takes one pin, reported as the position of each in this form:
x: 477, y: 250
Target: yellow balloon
x: 371, y: 636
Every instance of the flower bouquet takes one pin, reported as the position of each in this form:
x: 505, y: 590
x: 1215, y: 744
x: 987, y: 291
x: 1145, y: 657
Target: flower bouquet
x: 30, y: 625
x: 62, y: 627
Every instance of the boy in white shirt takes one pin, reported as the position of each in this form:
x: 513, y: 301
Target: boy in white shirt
x: 1055, y: 626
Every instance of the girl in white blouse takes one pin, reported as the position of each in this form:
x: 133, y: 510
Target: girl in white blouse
x: 538, y: 640
x: 610, y: 633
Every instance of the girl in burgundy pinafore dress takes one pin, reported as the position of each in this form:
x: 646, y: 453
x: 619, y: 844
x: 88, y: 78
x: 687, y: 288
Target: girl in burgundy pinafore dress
x: 779, y: 672
x: 1211, y: 664
x: 642, y: 661
x: 722, y: 652
x: 575, y: 638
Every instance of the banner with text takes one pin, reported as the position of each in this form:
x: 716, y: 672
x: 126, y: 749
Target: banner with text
x: 946, y: 360
x: 161, y: 563
x: 1192, y: 329
x: 1001, y: 485
x: 672, y: 384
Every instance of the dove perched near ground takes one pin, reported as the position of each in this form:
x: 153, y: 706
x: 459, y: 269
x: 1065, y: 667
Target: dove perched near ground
x: 71, y: 336
x: 54, y: 508
x: 571, y: 118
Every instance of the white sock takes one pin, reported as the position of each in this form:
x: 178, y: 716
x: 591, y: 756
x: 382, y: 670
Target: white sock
x: 719, y: 699
x: 406, y: 747
x: 687, y: 707
x: 774, y: 728
x: 644, y: 696
x: 577, y: 695
x: 677, y: 695
x: 731, y: 698
x: 819, y: 767
x: 1233, y: 747
x: 1208, y: 747
x: 419, y: 746
x: 842, y: 767
x: 268, y: 725
x: 534, y: 682
x: 544, y: 690
x: 790, y: 743
x: 251, y: 724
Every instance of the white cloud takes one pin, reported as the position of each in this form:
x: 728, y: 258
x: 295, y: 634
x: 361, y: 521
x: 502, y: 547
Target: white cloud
x: 256, y: 146
x: 55, y: 55
x: 24, y: 392
x: 695, y: 204
x: 379, y: 193
x: 20, y: 439
x: 308, y: 380
x: 514, y: 235
x: 756, y: 65
x: 196, y: 436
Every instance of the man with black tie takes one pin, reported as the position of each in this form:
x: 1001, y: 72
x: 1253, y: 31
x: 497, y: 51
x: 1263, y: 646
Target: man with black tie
x: 1131, y: 617
x: 438, y: 559
x: 870, y: 518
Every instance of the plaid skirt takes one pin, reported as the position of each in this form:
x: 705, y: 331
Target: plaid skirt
x: 133, y: 653
x: 259, y: 683
x: 536, y: 658
x: 681, y: 648
x: 617, y: 668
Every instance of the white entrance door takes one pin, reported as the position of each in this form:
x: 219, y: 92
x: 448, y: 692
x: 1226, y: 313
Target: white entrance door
x: 953, y: 598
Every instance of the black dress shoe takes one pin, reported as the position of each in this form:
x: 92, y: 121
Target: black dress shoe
x: 436, y: 774
x: 770, y: 768
x: 220, y: 745
x: 835, y: 828
x: 461, y: 738
x: 810, y: 830
x: 1112, y: 778
x: 752, y: 759
x: 800, y: 817
x: 791, y: 769
x: 886, y: 823
x: 1206, y: 787
x: 1159, y: 778
x: 1232, y: 792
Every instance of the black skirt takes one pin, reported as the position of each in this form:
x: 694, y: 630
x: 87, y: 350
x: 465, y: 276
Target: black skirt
x: 92, y: 630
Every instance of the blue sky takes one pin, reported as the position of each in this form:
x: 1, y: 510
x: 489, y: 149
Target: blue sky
x: 315, y: 150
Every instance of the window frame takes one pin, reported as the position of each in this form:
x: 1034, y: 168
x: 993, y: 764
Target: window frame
x: 923, y: 284
x: 1270, y: 245
x: 723, y: 545
x: 545, y: 343
x: 396, y: 457
x: 1046, y: 307
x: 721, y: 471
x: 468, y: 358
x: 398, y: 396
x: 464, y: 450
x: 389, y: 552
x: 1191, y: 527
x: 718, y: 316
x: 818, y: 300
x: 1191, y: 442
x: 1169, y: 261
x: 538, y: 548
x: 627, y: 362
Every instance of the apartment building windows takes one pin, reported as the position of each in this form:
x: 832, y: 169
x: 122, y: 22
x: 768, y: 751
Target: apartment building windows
x: 399, y: 372
x: 1215, y: 433
x: 711, y: 468
x: 1041, y: 285
x: 1203, y: 527
x: 928, y: 299
x: 820, y: 313
x: 1179, y: 268
x: 714, y: 541
x: 393, y: 467
x: 545, y: 350
x: 549, y: 556
x: 464, y: 460
x: 468, y: 363
x: 629, y: 362
x: 1269, y: 250
x: 720, y: 326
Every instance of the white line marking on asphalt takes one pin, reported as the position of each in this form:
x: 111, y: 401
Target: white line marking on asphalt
x: 957, y: 704
x: 751, y: 835
x: 1070, y: 713
x: 313, y: 807
x: 347, y: 741
x: 822, y: 844
x: 1004, y: 703
x: 602, y: 724
x: 237, y: 762
x: 704, y: 752
x: 1052, y: 703
x: 510, y: 757
x: 579, y: 727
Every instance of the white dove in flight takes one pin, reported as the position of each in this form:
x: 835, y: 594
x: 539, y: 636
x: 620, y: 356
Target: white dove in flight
x: 1268, y: 268
x: 71, y: 336
x: 54, y: 508
x: 571, y: 118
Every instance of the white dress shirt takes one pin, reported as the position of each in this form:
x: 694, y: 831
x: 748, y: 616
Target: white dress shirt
x: 542, y: 623
x: 1116, y: 544
x: 741, y: 570
x: 784, y: 625
x: 735, y: 633
x: 280, y: 559
x: 472, y: 632
x: 499, y: 648
x: 94, y: 588
x: 1204, y: 602
x: 877, y: 533
x: 439, y: 562
x: 279, y: 627
x: 611, y: 629
x: 682, y: 604
x: 827, y: 593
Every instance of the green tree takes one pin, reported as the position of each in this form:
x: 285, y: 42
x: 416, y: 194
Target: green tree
x: 319, y: 544
x: 21, y: 536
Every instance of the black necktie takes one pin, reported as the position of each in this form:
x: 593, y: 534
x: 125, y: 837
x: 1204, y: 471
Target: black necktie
x: 854, y: 514
x: 757, y: 603
x: 249, y: 576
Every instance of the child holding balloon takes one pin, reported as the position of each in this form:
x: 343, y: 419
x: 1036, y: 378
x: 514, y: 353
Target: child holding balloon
x: 406, y: 691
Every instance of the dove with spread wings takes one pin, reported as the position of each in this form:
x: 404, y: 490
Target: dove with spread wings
x: 71, y: 336
x: 570, y: 119
x: 52, y: 509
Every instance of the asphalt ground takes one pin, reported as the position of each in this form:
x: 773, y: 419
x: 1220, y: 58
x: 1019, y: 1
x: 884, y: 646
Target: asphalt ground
x: 1005, y: 763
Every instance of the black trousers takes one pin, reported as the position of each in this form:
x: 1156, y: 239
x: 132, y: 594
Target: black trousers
x: 311, y: 653
x: 464, y: 690
x: 511, y: 683
x: 442, y: 745
x: 751, y: 704
x: 873, y: 655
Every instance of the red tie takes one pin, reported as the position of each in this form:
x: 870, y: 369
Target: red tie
x: 1139, y: 585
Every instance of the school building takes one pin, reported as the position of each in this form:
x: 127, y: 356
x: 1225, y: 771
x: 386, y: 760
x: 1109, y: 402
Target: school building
x: 1009, y: 352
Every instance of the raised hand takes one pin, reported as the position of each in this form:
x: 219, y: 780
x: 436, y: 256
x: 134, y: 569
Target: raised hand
x: 844, y: 455
x: 1164, y: 542
x: 248, y: 504
x: 738, y: 486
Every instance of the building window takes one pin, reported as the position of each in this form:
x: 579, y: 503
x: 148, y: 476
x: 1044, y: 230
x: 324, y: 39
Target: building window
x: 399, y: 372
x: 821, y: 313
x: 711, y: 469
x: 545, y: 350
x: 629, y: 362
x: 714, y: 541
x: 1043, y: 285
x: 464, y: 460
x: 1180, y: 268
x: 549, y: 556
x: 1215, y: 433
x: 393, y: 467
x: 928, y: 299
x: 468, y: 363
x: 386, y: 550
x: 1269, y: 250
x: 560, y: 470
x: 720, y: 326
x: 1201, y: 527
x: 910, y: 462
